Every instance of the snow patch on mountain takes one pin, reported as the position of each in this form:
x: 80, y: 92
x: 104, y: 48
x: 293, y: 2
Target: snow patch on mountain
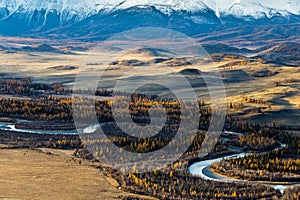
x: 254, y: 8
x: 68, y: 9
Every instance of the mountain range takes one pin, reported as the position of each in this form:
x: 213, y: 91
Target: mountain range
x: 99, y: 19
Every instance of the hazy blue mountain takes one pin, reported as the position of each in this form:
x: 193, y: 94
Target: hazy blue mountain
x: 98, y: 19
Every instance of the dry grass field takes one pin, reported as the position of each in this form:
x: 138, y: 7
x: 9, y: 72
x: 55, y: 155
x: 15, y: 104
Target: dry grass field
x: 274, y: 83
x: 52, y: 174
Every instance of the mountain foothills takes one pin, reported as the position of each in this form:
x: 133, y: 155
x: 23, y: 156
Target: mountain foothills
x: 101, y: 18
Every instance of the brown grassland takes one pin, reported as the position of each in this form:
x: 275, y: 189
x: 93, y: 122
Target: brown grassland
x: 53, y: 174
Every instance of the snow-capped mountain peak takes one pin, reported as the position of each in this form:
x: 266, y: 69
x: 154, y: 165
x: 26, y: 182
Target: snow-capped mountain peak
x: 29, y: 16
x: 254, y: 8
x: 83, y: 9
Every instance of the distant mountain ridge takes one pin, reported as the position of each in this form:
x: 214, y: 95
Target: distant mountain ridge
x: 102, y: 18
x: 71, y: 9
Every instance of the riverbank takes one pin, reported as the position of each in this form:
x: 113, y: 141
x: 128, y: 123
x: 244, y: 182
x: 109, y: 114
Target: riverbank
x: 163, y: 184
x: 216, y: 172
x: 18, y: 140
x: 204, y: 170
x: 38, y: 125
x: 263, y: 176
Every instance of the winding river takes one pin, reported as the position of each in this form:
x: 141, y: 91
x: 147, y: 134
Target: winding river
x: 200, y: 169
x: 12, y: 127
